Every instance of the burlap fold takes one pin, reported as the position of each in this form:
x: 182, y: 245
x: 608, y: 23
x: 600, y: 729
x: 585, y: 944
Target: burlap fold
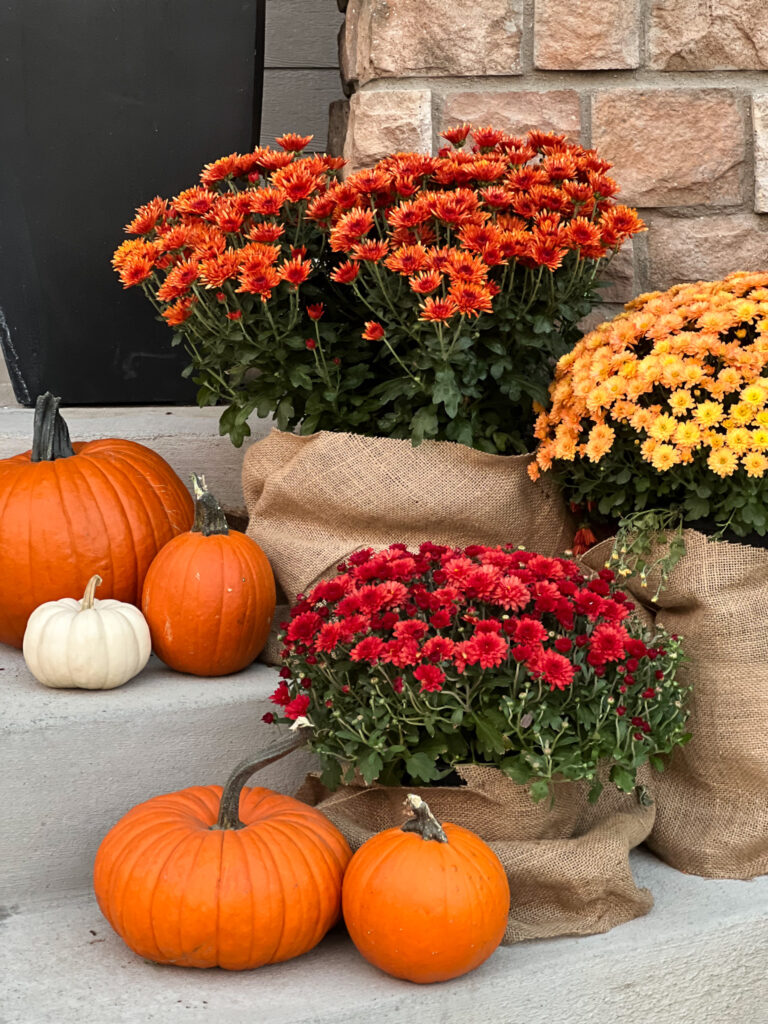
x: 314, y: 500
x: 568, y: 868
x: 712, y: 800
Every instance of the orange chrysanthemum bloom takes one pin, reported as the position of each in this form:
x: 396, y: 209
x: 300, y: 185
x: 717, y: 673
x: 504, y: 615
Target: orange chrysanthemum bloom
x: 438, y: 310
x: 345, y: 273
x: 407, y: 260
x: 425, y: 283
x: 296, y: 271
x: 292, y: 142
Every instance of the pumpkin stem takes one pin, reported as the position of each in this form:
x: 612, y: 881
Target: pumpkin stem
x: 209, y: 518
x: 50, y: 435
x: 229, y: 808
x: 90, y: 590
x: 424, y: 823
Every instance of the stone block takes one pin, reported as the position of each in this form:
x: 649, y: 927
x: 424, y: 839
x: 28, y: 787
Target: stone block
x: 704, y: 248
x: 407, y: 38
x: 567, y: 38
x: 387, y: 121
x: 619, y: 276
x: 672, y: 147
x: 338, y: 118
x: 699, y: 35
x: 760, y: 128
x: 556, y: 110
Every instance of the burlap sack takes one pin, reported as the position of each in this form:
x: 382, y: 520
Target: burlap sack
x: 712, y: 799
x: 314, y: 500
x: 568, y: 868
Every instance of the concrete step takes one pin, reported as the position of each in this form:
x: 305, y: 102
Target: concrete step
x: 72, y: 762
x: 699, y: 956
x: 187, y: 437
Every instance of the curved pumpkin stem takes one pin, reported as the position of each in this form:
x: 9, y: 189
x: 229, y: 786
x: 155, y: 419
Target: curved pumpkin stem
x: 229, y: 808
x: 209, y: 518
x: 87, y: 602
x: 424, y: 823
x: 50, y: 434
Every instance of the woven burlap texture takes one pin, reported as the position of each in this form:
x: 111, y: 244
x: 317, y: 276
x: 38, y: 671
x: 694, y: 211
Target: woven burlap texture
x: 314, y: 500
x: 568, y: 868
x: 712, y: 800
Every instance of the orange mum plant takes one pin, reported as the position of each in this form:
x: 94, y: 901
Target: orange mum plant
x: 426, y: 297
x: 665, y: 409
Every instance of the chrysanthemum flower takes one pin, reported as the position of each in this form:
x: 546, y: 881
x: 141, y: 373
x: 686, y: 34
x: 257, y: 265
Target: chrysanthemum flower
x: 292, y: 142
x: 373, y: 331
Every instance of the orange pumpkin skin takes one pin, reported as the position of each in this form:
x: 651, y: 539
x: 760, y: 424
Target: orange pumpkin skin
x: 425, y: 911
x: 107, y: 509
x: 177, y: 892
x: 209, y: 596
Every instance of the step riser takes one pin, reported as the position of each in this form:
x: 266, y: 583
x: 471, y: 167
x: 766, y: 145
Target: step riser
x: 66, y: 784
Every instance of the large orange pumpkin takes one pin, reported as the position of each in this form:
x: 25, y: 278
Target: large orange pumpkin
x: 425, y: 902
x: 209, y: 596
x: 70, y: 511
x: 186, y: 879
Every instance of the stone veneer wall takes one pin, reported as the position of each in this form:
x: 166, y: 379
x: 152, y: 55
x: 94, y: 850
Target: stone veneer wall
x: 673, y: 92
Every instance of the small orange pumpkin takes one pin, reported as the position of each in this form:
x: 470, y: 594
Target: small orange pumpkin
x: 187, y: 879
x: 209, y: 595
x: 425, y: 902
x: 69, y: 511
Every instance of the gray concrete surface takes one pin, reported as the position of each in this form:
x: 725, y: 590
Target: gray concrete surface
x: 698, y: 958
x: 74, y: 761
x: 187, y: 437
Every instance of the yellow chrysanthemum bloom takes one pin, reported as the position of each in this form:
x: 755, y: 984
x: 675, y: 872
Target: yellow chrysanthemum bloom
x: 709, y: 413
x: 755, y: 464
x: 663, y: 427
x: 739, y: 439
x: 665, y: 457
x: 754, y: 394
x: 688, y: 434
x: 680, y: 401
x: 600, y: 439
x: 761, y: 419
x: 723, y: 462
x: 741, y: 413
x: 760, y: 438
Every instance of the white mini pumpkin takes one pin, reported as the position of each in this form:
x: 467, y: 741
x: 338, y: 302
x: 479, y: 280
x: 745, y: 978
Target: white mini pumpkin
x: 89, y: 644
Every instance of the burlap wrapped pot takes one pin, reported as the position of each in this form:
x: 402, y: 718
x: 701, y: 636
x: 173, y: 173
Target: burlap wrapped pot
x: 568, y: 868
x: 712, y: 799
x: 314, y: 500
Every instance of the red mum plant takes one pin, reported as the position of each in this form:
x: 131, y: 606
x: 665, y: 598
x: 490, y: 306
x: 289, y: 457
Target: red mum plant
x: 448, y: 285
x: 408, y: 663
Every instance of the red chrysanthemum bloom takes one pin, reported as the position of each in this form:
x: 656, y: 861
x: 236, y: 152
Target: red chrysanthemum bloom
x: 431, y: 678
x: 315, y: 311
x: 282, y: 695
x: 488, y: 650
x: 556, y: 670
x: 303, y: 627
x: 370, y: 649
x: 298, y: 707
x: 608, y: 642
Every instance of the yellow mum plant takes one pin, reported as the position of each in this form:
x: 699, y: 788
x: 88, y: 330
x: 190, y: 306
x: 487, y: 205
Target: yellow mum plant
x: 666, y: 408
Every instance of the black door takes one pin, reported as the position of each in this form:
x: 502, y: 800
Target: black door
x: 105, y: 104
